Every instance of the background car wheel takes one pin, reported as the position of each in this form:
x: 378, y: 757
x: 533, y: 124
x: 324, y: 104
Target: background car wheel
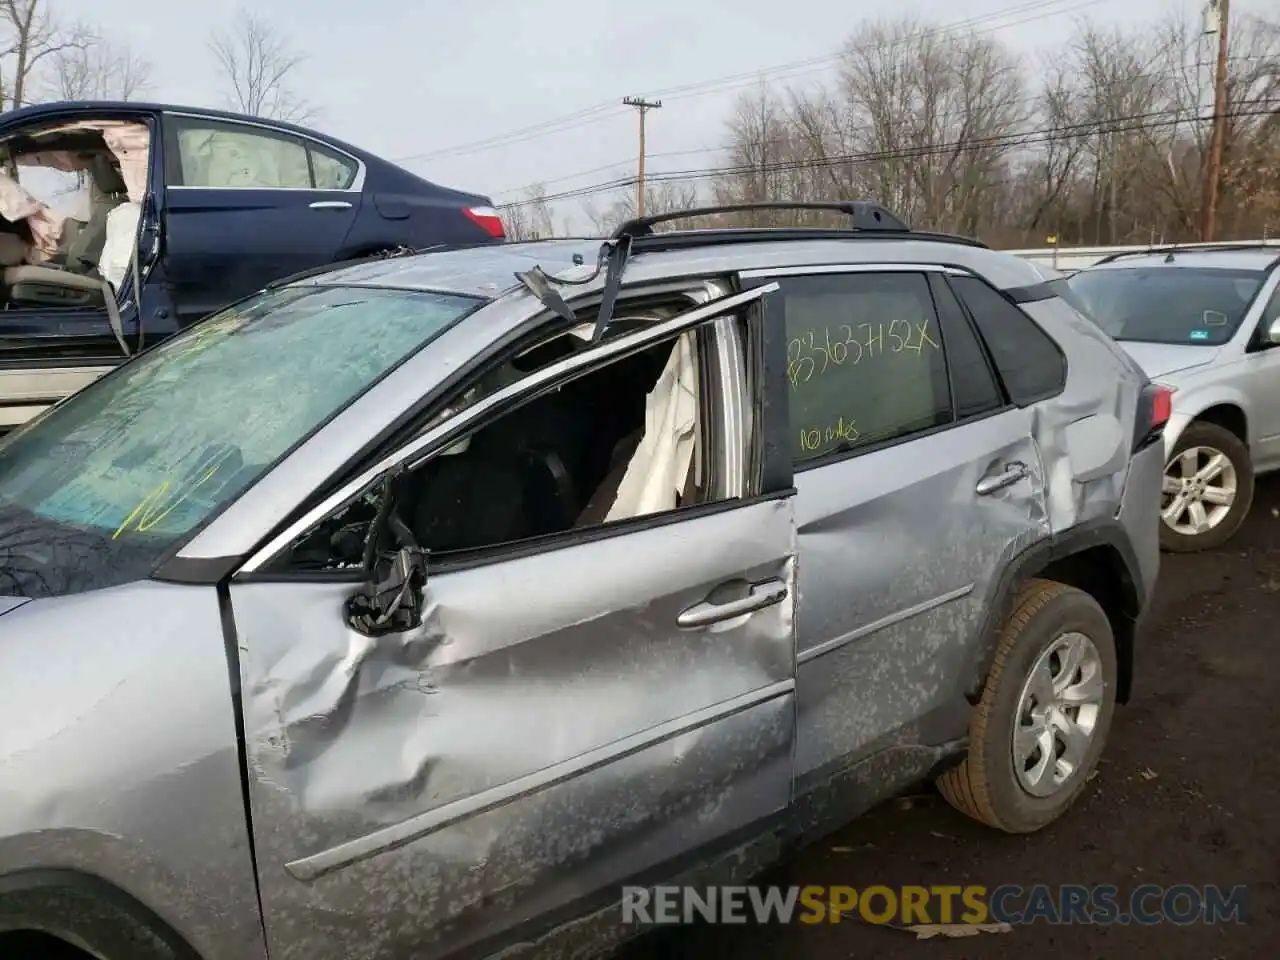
x: 1208, y: 489
x: 1037, y: 733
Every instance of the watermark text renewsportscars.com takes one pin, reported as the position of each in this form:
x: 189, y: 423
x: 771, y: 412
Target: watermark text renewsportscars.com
x: 1012, y: 904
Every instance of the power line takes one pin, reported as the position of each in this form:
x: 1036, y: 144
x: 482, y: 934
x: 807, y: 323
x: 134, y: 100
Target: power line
x: 609, y: 109
x: 821, y: 64
x: 771, y: 141
x: 584, y: 117
x: 1035, y: 137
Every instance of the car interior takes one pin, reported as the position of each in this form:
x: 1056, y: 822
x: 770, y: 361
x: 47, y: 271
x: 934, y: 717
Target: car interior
x: 619, y: 442
x: 52, y: 260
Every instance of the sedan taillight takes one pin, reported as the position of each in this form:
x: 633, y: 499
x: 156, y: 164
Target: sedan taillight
x: 1155, y: 407
x: 488, y: 220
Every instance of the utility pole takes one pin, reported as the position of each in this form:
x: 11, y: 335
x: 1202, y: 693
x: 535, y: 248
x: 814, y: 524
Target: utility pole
x: 643, y: 106
x: 1217, y: 11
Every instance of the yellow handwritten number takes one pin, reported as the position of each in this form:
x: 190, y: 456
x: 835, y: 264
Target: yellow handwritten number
x: 815, y: 438
x: 813, y: 353
x: 799, y: 367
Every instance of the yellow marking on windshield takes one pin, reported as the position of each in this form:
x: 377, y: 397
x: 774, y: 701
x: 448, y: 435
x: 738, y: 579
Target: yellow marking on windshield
x: 148, y: 512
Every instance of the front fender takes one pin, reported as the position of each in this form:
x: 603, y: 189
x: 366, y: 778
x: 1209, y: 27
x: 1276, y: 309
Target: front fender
x: 119, y: 762
x: 88, y: 913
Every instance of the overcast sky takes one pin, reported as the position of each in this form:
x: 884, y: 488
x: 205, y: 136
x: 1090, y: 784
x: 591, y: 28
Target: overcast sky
x: 409, y: 80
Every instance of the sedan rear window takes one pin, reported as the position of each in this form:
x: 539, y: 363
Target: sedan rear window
x: 134, y: 463
x: 1176, y: 305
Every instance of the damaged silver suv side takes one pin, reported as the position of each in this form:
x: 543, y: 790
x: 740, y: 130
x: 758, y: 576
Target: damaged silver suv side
x: 416, y: 607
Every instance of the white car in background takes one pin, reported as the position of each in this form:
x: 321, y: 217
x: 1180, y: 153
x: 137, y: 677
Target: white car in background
x: 1205, y: 321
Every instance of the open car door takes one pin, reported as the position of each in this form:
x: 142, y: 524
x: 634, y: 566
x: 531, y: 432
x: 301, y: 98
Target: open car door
x: 72, y: 192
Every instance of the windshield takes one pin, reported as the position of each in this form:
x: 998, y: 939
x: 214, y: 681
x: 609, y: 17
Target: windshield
x: 134, y: 463
x: 1176, y: 305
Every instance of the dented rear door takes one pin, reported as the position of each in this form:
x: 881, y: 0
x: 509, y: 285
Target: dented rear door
x: 917, y: 480
x: 562, y: 722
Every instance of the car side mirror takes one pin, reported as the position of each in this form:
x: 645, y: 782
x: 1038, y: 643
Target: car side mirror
x: 1272, y: 336
x: 391, y: 600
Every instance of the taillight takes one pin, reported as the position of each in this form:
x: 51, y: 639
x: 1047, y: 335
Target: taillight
x: 488, y: 220
x: 1155, y: 407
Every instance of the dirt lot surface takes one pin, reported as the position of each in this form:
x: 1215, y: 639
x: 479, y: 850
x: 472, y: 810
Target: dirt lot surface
x: 1188, y: 792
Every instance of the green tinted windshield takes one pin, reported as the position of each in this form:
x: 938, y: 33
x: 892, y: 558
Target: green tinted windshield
x: 152, y: 451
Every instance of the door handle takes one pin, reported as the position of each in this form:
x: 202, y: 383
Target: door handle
x: 330, y: 205
x: 760, y: 595
x: 1012, y: 473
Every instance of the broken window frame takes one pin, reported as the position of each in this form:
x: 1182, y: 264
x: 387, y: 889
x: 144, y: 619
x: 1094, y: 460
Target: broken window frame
x: 270, y: 560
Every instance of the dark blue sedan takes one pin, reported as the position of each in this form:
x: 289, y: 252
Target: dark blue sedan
x: 196, y: 208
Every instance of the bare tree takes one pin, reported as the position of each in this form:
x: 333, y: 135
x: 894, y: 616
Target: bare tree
x: 258, y: 65
x: 531, y: 217
x: 100, y: 71
x: 1250, y: 199
x: 933, y: 117
x: 1103, y: 142
x: 1046, y: 176
x: 666, y: 196
x: 31, y: 35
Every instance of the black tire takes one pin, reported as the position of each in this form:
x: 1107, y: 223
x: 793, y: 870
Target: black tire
x: 985, y: 786
x: 1203, y: 434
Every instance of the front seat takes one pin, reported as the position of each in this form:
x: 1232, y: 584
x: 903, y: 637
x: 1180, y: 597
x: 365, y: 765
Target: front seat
x: 70, y: 277
x: 47, y: 285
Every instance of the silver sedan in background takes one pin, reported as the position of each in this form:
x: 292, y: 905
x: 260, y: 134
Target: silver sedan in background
x: 1205, y: 322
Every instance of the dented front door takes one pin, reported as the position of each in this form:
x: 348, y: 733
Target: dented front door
x: 561, y: 723
x: 551, y: 731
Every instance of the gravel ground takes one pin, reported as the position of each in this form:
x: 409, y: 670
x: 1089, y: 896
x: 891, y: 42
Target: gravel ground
x: 1186, y: 794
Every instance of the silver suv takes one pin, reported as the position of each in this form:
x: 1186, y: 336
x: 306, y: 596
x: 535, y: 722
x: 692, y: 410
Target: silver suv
x: 415, y: 608
x: 1204, y: 321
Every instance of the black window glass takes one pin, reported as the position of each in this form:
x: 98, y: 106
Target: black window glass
x: 974, y: 388
x: 1028, y: 361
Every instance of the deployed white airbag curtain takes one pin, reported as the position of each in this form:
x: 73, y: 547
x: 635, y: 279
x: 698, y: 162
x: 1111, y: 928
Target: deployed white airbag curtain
x: 659, y: 470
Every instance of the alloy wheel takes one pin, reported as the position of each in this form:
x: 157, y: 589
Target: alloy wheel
x: 1057, y: 714
x: 1199, y: 489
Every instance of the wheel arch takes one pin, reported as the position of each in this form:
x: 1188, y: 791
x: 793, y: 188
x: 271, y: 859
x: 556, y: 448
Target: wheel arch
x: 88, y: 913
x: 1218, y: 404
x: 1226, y: 414
x: 1094, y: 557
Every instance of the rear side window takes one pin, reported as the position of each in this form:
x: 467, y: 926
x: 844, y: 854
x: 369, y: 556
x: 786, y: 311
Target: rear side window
x: 232, y: 156
x: 330, y: 170
x: 1029, y: 362
x: 973, y: 384
x: 865, y: 361
x: 227, y: 156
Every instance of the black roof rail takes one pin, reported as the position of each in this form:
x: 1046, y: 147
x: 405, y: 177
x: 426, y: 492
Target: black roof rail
x: 1170, y: 249
x: 865, y: 215
x: 681, y: 240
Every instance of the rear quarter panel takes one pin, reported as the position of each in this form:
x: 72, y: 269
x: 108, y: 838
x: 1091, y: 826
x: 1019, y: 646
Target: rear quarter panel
x: 1085, y: 433
x: 401, y: 209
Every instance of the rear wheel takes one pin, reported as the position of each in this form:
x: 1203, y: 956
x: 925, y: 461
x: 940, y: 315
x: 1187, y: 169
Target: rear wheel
x: 1037, y: 733
x: 1207, y: 491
